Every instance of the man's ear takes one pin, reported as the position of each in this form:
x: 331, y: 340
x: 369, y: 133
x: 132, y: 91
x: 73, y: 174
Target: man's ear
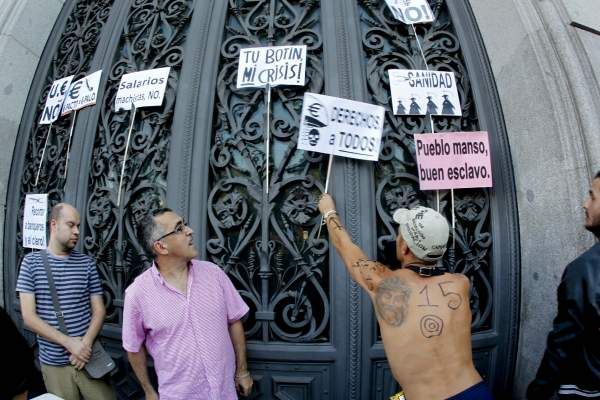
x: 160, y: 248
x: 404, y: 249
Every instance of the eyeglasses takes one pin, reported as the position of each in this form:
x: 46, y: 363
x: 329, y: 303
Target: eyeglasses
x: 180, y: 227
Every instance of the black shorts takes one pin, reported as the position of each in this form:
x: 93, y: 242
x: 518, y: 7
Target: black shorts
x: 478, y: 391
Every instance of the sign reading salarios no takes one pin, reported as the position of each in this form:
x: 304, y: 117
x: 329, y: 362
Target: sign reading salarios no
x: 142, y: 89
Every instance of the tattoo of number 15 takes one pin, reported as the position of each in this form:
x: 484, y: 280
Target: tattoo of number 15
x: 454, y: 299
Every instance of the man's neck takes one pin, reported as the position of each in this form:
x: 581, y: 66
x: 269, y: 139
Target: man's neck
x: 57, y: 249
x: 172, y: 268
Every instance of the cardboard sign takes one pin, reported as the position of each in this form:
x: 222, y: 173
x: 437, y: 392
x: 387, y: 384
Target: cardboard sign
x: 421, y: 92
x: 453, y: 160
x: 82, y: 93
x: 34, y: 221
x: 54, y: 101
x: 142, y: 89
x: 280, y: 65
x: 341, y: 127
x: 411, y: 11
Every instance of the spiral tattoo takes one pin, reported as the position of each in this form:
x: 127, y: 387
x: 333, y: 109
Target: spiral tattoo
x: 431, y: 325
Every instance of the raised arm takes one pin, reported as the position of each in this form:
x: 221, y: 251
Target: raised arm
x: 367, y: 273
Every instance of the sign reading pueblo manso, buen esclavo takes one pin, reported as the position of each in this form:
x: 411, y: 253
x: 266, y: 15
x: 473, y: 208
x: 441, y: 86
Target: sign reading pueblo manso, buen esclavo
x: 272, y: 66
x: 341, y: 127
x: 422, y: 92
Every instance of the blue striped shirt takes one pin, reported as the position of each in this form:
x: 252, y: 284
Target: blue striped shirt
x: 76, y: 279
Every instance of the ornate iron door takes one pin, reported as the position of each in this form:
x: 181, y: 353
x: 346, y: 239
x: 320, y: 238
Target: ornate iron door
x: 311, y: 332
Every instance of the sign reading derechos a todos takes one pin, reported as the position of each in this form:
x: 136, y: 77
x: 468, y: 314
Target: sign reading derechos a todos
x: 34, y: 221
x: 277, y: 65
x: 82, y: 93
x: 453, y: 160
x: 341, y: 127
x: 142, y: 89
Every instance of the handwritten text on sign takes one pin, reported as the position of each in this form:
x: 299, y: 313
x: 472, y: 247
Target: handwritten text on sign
x: 54, y: 101
x: 421, y: 92
x: 34, y: 221
x: 453, y: 160
x: 341, y: 127
x: 142, y: 89
x: 411, y: 11
x: 280, y: 65
x: 82, y: 93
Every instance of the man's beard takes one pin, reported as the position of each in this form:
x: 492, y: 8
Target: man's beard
x: 595, y: 229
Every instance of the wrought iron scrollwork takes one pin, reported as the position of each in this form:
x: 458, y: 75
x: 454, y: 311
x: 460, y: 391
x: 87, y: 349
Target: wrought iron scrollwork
x: 75, y: 50
x: 153, y: 37
x: 266, y: 238
x: 388, y: 44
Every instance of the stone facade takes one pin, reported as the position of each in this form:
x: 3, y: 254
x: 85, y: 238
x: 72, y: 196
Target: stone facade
x: 545, y: 55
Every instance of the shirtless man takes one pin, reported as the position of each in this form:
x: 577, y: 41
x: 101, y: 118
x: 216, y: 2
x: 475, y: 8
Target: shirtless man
x: 423, y: 312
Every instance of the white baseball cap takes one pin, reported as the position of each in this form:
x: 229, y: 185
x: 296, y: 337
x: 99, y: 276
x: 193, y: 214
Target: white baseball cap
x: 424, y: 230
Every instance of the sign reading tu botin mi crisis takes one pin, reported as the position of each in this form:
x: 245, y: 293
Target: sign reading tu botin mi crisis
x: 82, y: 93
x: 422, y: 92
x: 34, y: 221
x: 341, y: 127
x: 142, y: 89
x: 279, y: 65
x: 453, y: 160
x: 411, y: 11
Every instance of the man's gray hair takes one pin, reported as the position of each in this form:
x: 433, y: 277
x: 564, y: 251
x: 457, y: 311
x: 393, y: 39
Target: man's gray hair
x: 150, y: 230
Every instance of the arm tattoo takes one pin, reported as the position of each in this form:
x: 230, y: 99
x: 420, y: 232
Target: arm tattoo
x: 431, y: 325
x: 391, y: 300
x: 335, y: 220
x: 368, y: 269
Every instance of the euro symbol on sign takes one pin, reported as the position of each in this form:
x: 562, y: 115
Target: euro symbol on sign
x: 318, y: 117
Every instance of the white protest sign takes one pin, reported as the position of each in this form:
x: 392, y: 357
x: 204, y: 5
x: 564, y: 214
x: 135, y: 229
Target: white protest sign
x: 82, y: 93
x: 54, y: 101
x: 421, y: 92
x: 142, y: 89
x: 411, y: 11
x: 341, y: 127
x: 280, y: 65
x: 34, y: 221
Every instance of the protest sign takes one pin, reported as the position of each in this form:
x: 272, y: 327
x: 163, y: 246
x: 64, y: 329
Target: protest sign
x: 142, y: 89
x: 82, y: 93
x: 280, y: 65
x: 54, y: 100
x: 34, y: 221
x: 453, y: 160
x: 411, y: 11
x: 341, y: 127
x: 422, y: 92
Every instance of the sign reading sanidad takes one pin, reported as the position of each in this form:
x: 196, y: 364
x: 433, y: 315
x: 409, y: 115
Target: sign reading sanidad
x: 142, y: 89
x: 341, y: 127
x: 422, y: 92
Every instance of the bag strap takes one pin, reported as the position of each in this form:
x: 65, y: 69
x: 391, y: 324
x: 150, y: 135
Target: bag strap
x: 59, y: 315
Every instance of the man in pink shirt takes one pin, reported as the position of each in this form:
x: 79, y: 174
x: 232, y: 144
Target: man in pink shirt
x: 186, y: 314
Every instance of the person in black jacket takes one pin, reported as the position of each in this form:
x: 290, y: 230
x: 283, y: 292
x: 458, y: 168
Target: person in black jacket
x: 19, y: 374
x: 571, y: 363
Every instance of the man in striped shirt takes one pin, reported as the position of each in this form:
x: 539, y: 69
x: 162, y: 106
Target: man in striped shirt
x: 186, y: 314
x: 62, y: 356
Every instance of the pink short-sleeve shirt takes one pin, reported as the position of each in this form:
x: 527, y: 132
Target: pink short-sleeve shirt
x: 186, y: 335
